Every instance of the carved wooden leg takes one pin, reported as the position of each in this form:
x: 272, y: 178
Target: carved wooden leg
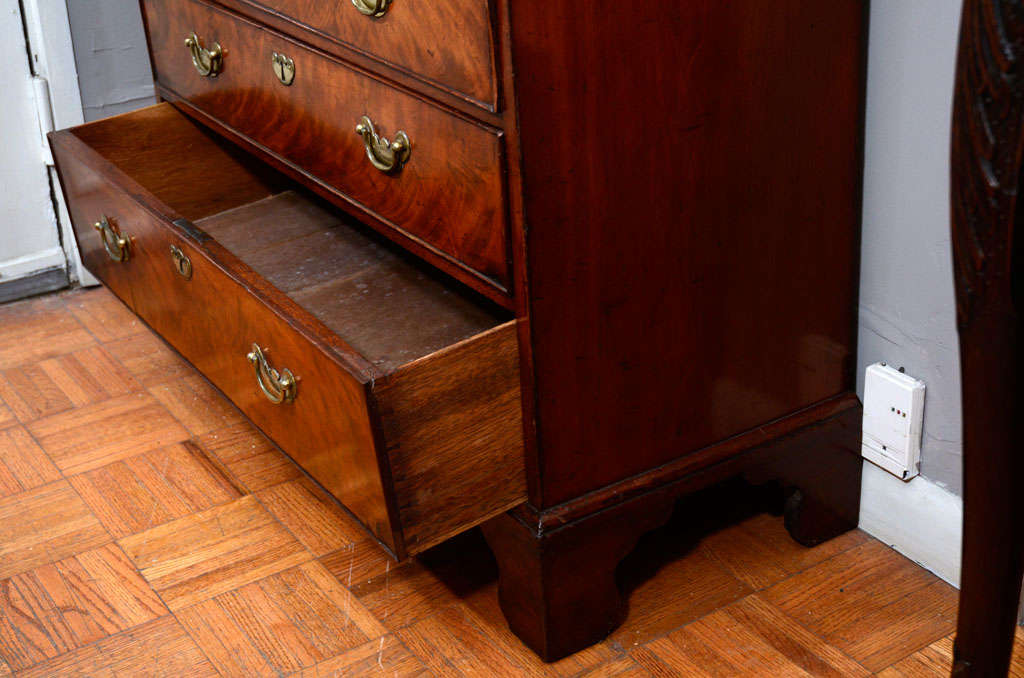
x: 558, y: 589
x: 988, y: 253
x: 993, y: 536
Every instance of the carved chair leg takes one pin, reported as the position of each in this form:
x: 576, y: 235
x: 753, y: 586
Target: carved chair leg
x: 993, y: 536
x: 558, y: 590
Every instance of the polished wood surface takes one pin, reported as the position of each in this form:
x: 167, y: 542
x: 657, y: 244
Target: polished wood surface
x: 448, y: 43
x: 450, y: 194
x: 693, y: 224
x: 402, y: 374
x: 988, y: 140
x: 746, y: 599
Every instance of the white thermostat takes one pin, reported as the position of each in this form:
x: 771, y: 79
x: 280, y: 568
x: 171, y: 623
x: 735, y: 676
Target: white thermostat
x: 893, y: 416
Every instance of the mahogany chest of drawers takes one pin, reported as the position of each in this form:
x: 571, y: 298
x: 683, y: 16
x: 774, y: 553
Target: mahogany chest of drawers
x: 540, y: 267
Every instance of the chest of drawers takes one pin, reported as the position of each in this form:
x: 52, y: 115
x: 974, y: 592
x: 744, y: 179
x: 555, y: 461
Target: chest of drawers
x: 540, y: 267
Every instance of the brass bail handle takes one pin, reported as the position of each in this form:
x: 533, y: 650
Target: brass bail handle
x: 387, y: 156
x: 374, y: 8
x: 279, y: 387
x: 116, y: 244
x: 208, y: 62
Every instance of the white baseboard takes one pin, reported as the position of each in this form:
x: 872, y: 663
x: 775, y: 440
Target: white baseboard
x: 919, y: 519
x: 20, y: 267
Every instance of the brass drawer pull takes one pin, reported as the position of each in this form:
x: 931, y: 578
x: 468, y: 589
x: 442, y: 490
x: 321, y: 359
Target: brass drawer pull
x: 208, y: 62
x: 182, y: 264
x: 116, y: 244
x: 387, y: 156
x: 375, y: 8
x: 284, y: 68
x: 279, y: 387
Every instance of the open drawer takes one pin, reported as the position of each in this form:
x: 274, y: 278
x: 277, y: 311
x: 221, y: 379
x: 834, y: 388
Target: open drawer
x: 396, y: 389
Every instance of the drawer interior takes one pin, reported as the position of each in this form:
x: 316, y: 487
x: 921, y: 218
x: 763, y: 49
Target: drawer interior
x: 389, y: 307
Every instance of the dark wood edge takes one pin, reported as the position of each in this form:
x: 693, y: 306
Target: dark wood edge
x: 520, y: 269
x: 726, y: 454
x: 368, y: 61
x: 304, y: 322
x: 850, y: 373
x: 446, y: 263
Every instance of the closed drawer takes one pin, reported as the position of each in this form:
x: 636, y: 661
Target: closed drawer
x: 447, y: 43
x: 396, y: 390
x: 447, y: 197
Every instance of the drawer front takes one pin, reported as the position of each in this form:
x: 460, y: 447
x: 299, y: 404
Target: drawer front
x: 94, y: 201
x: 213, y: 320
x: 449, y: 43
x: 449, y: 194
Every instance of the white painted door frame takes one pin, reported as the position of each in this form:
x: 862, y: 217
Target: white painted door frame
x: 59, y: 102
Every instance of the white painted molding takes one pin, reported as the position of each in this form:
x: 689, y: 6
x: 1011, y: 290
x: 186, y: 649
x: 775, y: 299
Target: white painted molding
x: 920, y: 519
x: 32, y: 263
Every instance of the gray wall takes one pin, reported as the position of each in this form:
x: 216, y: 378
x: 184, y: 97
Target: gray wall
x: 111, y: 56
x: 906, y: 301
x: 907, y: 313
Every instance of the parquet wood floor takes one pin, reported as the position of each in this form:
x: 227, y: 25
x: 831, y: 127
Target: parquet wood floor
x: 147, y: 529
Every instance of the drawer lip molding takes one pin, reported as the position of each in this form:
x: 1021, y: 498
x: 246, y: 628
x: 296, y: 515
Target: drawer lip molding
x: 419, y: 444
x: 449, y: 203
x: 351, y: 33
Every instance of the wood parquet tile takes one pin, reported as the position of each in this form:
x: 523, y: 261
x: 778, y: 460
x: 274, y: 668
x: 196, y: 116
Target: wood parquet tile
x: 43, y: 525
x: 385, y: 656
x: 95, y: 435
x: 149, y: 360
x: 68, y: 381
x: 936, y: 660
x: 7, y: 417
x: 831, y: 596
x: 23, y: 464
x: 103, y: 314
x: 159, y: 648
x: 358, y: 562
x: 196, y: 404
x: 154, y: 488
x: 313, y: 516
x: 286, y: 622
x: 37, y: 329
x: 255, y: 461
x: 147, y: 529
x: 760, y: 640
x: 195, y: 558
x: 59, y: 607
x: 885, y: 635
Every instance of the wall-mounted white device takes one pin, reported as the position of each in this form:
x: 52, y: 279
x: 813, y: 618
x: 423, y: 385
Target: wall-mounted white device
x: 893, y: 416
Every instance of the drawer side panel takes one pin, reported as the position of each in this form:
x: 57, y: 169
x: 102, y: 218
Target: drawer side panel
x: 452, y: 427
